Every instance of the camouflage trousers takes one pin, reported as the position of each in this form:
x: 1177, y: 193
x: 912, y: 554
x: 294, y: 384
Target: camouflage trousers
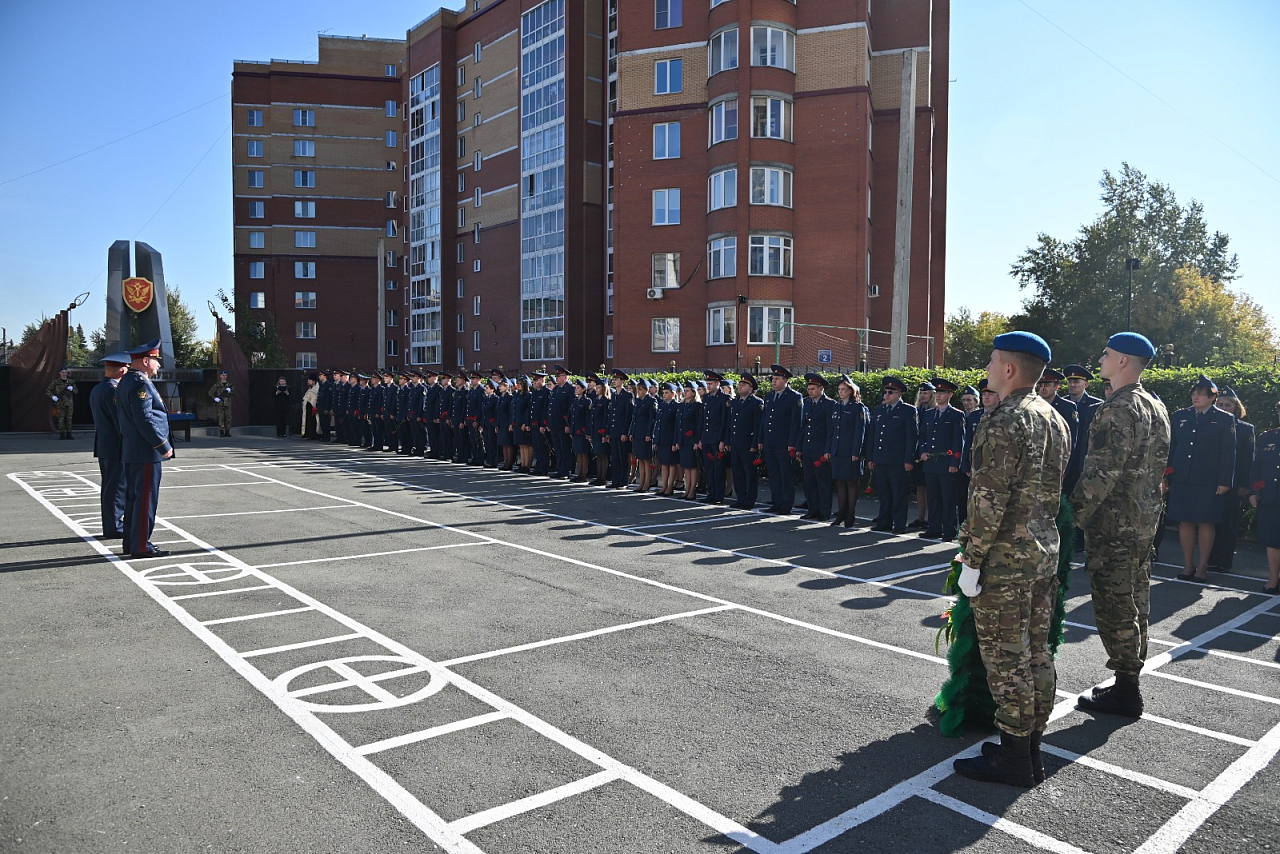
x: 1120, y: 575
x: 1012, y: 620
x: 64, y: 417
x: 224, y: 417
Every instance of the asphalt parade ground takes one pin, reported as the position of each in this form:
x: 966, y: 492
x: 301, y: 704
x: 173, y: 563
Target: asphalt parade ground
x: 358, y: 652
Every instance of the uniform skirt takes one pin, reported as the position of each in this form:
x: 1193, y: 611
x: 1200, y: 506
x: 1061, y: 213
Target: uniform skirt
x: 581, y: 443
x: 1195, y: 502
x: 641, y: 449
x: 666, y: 456
x: 688, y: 456
x: 598, y: 444
x: 844, y: 468
x: 1269, y: 525
x: 504, y: 436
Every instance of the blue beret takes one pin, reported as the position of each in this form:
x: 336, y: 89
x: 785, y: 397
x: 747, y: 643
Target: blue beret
x: 1024, y: 342
x: 1132, y: 344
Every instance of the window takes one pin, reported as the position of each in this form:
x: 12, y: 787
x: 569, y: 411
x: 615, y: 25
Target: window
x: 391, y: 198
x: 462, y: 75
x: 462, y: 322
x: 666, y: 141
x: 477, y: 52
x: 462, y: 146
x: 258, y: 270
x: 393, y: 317
x: 724, y: 121
x: 479, y: 162
x: 477, y: 88
x: 770, y: 118
x: 721, y: 325
x: 393, y: 347
x: 304, y: 210
x: 304, y: 329
x: 258, y: 299
x: 475, y: 341
x: 304, y: 239
x: 304, y: 148
x: 304, y: 269
x: 715, y: 3
x: 255, y: 148
x: 668, y: 76
x: 391, y: 109
x: 391, y: 139
x: 462, y: 111
x: 666, y: 207
x: 479, y: 197
x: 667, y: 14
x: 461, y: 253
x: 462, y: 288
x: 462, y: 182
x: 608, y: 346
x: 257, y: 240
x: 306, y: 361
x: 255, y: 118
x: 388, y: 71
x: 304, y: 178
x: 722, y: 52
x: 255, y: 179
x: 769, y: 256
x: 722, y: 189
x: 392, y: 260
x: 304, y: 118
x: 773, y: 47
x: 257, y: 210
x: 393, y: 228
x: 666, y: 335
x: 462, y: 217
x: 304, y: 299
x: 475, y: 305
x: 666, y: 270
x: 392, y: 285
x: 763, y: 322
x: 462, y: 357
x: 475, y: 233
x: 770, y: 186
x: 475, y: 266
x: 722, y: 258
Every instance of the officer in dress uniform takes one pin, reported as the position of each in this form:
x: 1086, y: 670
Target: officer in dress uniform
x: 144, y: 444
x: 340, y: 393
x: 558, y: 428
x: 324, y: 404
x: 815, y: 462
x: 1226, y: 532
x: 1048, y: 389
x: 746, y: 411
x: 377, y: 411
x: 106, y: 445
x: 892, y: 455
x: 62, y: 394
x: 1264, y: 486
x: 475, y: 415
x: 539, y: 405
x: 432, y: 401
x: 778, y: 439
x: 971, y: 420
x: 644, y: 416
x: 713, y: 437
x: 1200, y: 473
x: 1078, y: 378
x: 941, y: 445
x: 847, y: 448
x: 353, y: 408
x: 915, y: 476
x: 458, y: 419
x: 489, y: 422
x: 621, y: 404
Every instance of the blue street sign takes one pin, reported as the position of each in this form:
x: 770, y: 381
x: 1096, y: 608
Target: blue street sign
x: 824, y: 357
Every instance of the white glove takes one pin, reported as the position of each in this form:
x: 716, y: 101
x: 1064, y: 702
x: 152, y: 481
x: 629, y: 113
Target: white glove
x: 71, y: 388
x: 228, y: 389
x: 55, y: 398
x: 217, y: 400
x: 969, y: 585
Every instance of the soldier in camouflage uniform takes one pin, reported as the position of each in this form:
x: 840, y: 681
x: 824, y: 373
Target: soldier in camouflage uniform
x: 220, y: 393
x: 1117, y: 503
x: 62, y: 394
x: 1010, y: 542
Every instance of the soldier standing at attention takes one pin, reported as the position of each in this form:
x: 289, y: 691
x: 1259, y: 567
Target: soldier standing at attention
x: 220, y: 393
x: 106, y: 444
x: 1010, y: 553
x: 621, y: 406
x: 559, y: 430
x: 778, y: 439
x: 1117, y: 503
x: 941, y: 447
x: 745, y: 413
x: 539, y: 404
x: 1048, y: 389
x: 847, y: 448
x: 1227, y: 532
x: 713, y: 437
x: 431, y: 402
x: 891, y: 455
x: 324, y: 404
x: 915, y: 475
x: 1200, y: 473
x: 62, y: 394
x: 815, y: 462
x: 144, y: 444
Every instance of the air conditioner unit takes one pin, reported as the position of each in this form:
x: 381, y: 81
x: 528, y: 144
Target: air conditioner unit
x: 873, y: 290
x: 654, y: 293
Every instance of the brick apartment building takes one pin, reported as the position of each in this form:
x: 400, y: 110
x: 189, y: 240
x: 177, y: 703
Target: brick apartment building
x: 637, y: 181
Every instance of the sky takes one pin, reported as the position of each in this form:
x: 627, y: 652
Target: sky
x: 119, y: 128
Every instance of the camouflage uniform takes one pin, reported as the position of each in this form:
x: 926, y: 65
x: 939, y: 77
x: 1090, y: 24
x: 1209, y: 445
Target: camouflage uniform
x: 65, y: 393
x: 1020, y: 452
x: 220, y: 394
x: 1117, y: 503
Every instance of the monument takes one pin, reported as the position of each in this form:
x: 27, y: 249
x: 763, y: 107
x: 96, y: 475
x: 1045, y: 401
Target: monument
x: 138, y: 309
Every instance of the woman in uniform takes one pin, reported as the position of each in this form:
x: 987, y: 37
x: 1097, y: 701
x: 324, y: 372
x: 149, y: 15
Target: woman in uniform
x: 505, y: 439
x: 1265, y: 486
x: 580, y: 429
x: 846, y: 446
x: 665, y: 439
x: 1199, y: 474
x: 1227, y: 532
x: 600, y: 429
x: 644, y: 416
x: 520, y: 402
x: 688, y: 420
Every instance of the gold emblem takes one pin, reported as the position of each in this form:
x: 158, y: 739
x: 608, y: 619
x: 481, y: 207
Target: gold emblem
x: 138, y: 293
x: 142, y: 394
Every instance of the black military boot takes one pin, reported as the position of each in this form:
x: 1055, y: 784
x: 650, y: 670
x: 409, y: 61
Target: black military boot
x: 990, y: 749
x: 1010, y: 763
x: 1122, y: 698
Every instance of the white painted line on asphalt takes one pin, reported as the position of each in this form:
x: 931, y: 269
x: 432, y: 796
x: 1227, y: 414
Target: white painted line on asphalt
x: 1255, y: 634
x: 1234, y: 657
x: 1207, y: 585
x: 260, y: 512
x: 583, y: 635
x: 1211, y: 733
x: 426, y: 734
x: 222, y: 592
x: 1117, y: 771
x: 377, y: 677
x: 1248, y: 695
x: 364, y: 683
x: 1018, y: 831
x: 542, y: 799
x: 370, y: 554
x: 912, y: 572
x: 729, y: 517
x: 244, y: 617
x: 289, y: 647
x: 210, y: 485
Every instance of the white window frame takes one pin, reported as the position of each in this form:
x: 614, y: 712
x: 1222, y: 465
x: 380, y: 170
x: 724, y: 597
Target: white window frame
x: 391, y: 198
x: 722, y: 257
x: 477, y: 52
x: 477, y: 88
x: 304, y: 209
x: 475, y: 341
x: 257, y: 209
x: 304, y: 148
x: 662, y: 75
x: 257, y: 240
x: 392, y: 108
x: 304, y: 240
x: 662, y: 139
x: 722, y: 52
x: 722, y: 325
x: 304, y: 118
x: 775, y: 186
x: 257, y: 299
x: 666, y: 202
x: 393, y: 348
x: 773, y: 47
x: 773, y: 252
x: 302, y: 327
x: 304, y: 300
x: 254, y: 148
x: 664, y: 335
x: 255, y: 118
x: 770, y: 316
x: 776, y: 109
x: 306, y: 360
x: 664, y: 270
x: 718, y: 122
x: 257, y: 270
x: 608, y: 346
x: 674, y: 12
x: 304, y: 179
x: 393, y: 228
x: 257, y: 179
x: 393, y: 317
x: 389, y: 70
x: 304, y: 269
x: 722, y: 189
x: 475, y: 305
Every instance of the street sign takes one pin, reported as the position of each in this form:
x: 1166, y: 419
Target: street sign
x: 824, y: 357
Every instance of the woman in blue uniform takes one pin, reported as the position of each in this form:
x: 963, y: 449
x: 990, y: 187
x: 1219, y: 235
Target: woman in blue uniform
x: 489, y: 423
x: 580, y: 429
x: 1265, y: 486
x: 971, y: 403
x: 664, y: 437
x: 688, y: 419
x: 1227, y: 531
x: 520, y: 402
x: 644, y: 416
x: 1199, y: 474
x: 505, y: 440
x: 846, y: 446
x: 600, y: 428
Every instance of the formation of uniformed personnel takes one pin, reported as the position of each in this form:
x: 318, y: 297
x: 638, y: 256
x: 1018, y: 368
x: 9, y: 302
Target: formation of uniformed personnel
x: 144, y: 445
x: 1117, y: 502
x: 1200, y: 473
x: 812, y: 452
x: 713, y: 436
x: 62, y: 394
x: 106, y: 444
x: 1226, y: 532
x: 621, y: 403
x: 940, y: 446
x: 746, y: 412
x: 1264, y: 485
x: 644, y: 419
x: 847, y: 444
x: 891, y: 454
x: 778, y: 438
x: 324, y: 405
x: 1010, y: 553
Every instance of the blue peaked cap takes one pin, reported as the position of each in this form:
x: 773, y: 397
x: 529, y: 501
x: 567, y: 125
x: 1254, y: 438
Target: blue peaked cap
x: 1024, y: 342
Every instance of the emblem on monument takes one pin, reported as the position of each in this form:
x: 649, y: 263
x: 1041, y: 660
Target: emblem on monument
x: 138, y: 294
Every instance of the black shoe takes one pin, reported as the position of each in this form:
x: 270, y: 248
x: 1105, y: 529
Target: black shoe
x: 884, y: 529
x: 1123, y: 698
x: 114, y: 536
x: 990, y: 750
x: 152, y: 553
x: 1271, y: 591
x: 919, y: 523
x: 1010, y: 765
x: 899, y: 531
x: 850, y: 522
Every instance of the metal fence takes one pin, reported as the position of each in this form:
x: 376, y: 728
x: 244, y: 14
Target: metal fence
x: 813, y: 346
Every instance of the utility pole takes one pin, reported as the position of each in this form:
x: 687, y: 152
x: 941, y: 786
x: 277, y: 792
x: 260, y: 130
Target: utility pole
x: 902, y: 235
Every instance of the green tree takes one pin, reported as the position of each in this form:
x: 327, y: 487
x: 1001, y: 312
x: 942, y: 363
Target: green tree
x: 1080, y: 286
x: 255, y: 333
x: 77, y: 347
x: 1218, y: 327
x: 187, y: 346
x: 97, y: 344
x: 29, y: 331
x: 968, y: 338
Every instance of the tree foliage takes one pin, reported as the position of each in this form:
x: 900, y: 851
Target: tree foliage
x: 78, y: 348
x: 968, y: 338
x: 1080, y: 286
x: 188, y: 350
x: 255, y: 333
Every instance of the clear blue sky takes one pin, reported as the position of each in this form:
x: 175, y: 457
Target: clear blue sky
x: 1035, y: 118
